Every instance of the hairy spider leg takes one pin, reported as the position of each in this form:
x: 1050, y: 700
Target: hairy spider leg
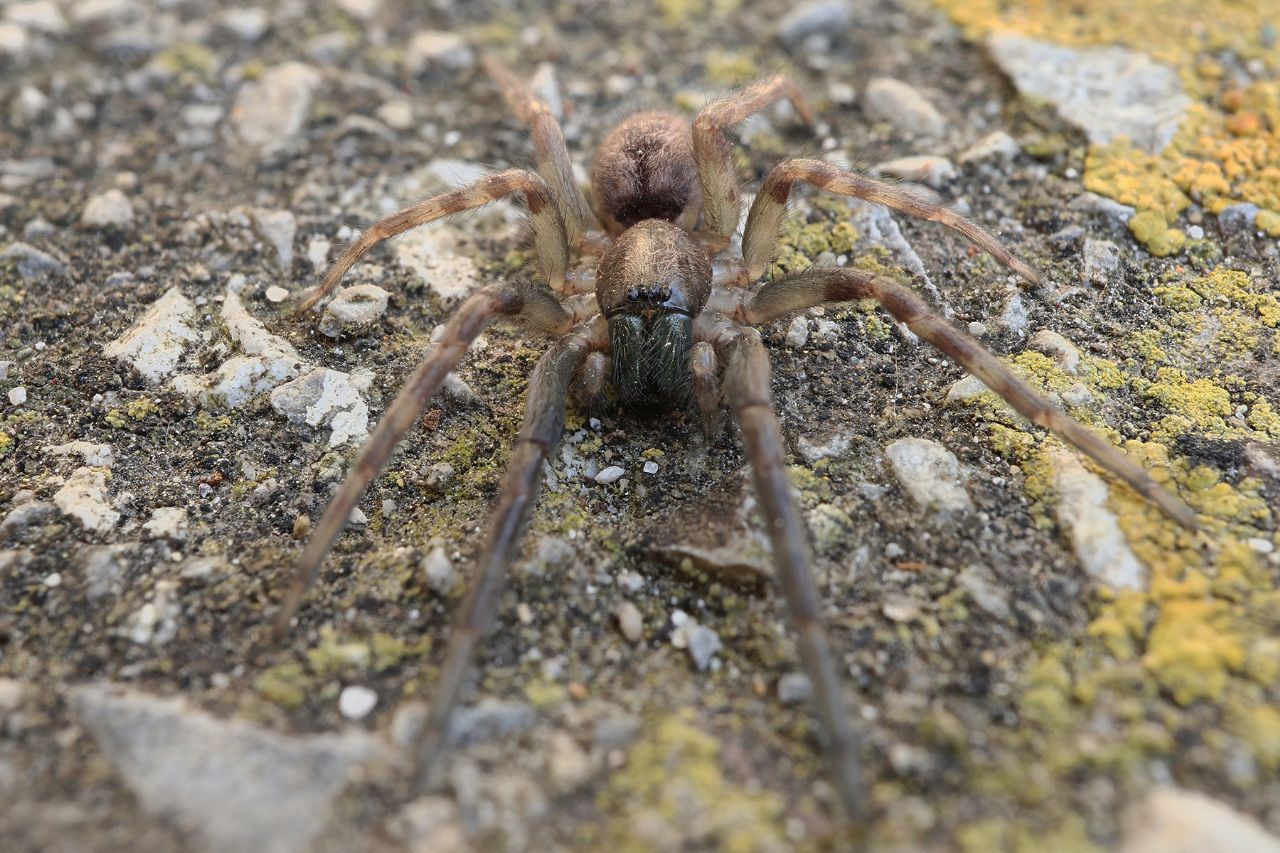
x: 539, y: 434
x: 794, y: 293
x: 534, y: 308
x: 760, y: 237
x: 549, y: 149
x: 549, y: 238
x: 713, y: 153
x: 746, y: 382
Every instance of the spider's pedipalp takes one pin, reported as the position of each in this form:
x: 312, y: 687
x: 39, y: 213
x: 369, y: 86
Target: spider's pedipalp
x: 538, y: 309
x: 721, y: 195
x: 795, y: 293
x: 539, y: 434
x: 550, y: 241
x: 764, y: 221
x: 746, y: 381
x: 549, y: 149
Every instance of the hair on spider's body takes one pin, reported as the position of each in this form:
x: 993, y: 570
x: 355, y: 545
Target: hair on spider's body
x: 662, y: 320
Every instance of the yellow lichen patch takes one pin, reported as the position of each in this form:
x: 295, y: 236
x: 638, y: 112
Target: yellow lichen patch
x: 1227, y: 149
x: 1198, y: 405
x: 1193, y: 648
x: 673, y: 788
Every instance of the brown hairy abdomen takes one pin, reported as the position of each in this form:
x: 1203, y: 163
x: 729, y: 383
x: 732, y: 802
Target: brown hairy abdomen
x: 644, y: 169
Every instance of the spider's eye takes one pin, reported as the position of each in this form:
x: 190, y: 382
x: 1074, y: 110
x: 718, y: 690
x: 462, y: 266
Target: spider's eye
x: 632, y: 294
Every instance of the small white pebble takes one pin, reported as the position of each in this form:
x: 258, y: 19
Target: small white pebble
x: 524, y: 613
x: 1195, y: 232
x: 630, y: 622
x: 54, y: 580
x: 612, y: 474
x: 651, y: 467
x: 356, y: 702
x: 18, y: 396
x: 977, y: 329
x: 1262, y: 546
x: 276, y: 293
x: 358, y: 516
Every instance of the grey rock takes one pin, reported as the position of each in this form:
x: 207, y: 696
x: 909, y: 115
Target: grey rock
x: 442, y: 578
x: 815, y: 17
x: 930, y: 473
x: 797, y: 332
x: 324, y: 398
x: 248, y: 24
x: 111, y: 209
x: 703, y: 643
x: 31, y: 263
x: 40, y: 16
x: 1236, y: 218
x: 167, y: 522
x: 104, y: 568
x: 278, y: 228
x: 1107, y: 92
x: 902, y: 106
x: 1092, y: 203
x: 794, y: 688
x: 630, y: 622
x: 985, y: 591
x: 488, y: 719
x: 100, y: 455
x: 1015, y: 317
x: 269, y: 113
x: 1101, y: 261
x: 233, y: 785
x: 27, y: 514
x: 354, y: 310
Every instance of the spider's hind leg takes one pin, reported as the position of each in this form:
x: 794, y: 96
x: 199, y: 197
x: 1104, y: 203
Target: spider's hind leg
x: 549, y: 148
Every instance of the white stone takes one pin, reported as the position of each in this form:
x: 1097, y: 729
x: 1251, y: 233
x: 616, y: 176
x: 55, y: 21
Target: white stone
x: 13, y: 40
x: 111, y: 209
x: 901, y: 105
x: 318, y: 253
x: 276, y: 294
x: 1016, y: 317
x: 269, y: 113
x: 994, y: 146
x: 441, y: 576
x: 544, y: 84
x: 230, y: 784
x: 1063, y: 351
x: 797, y: 332
x: 362, y: 10
x: 84, y: 498
x: 167, y: 522
x: 155, y: 343
x: 1171, y: 820
x: 608, y: 475
x: 156, y: 622
x: 431, y: 253
x: 248, y: 24
x: 650, y: 467
x: 250, y: 334
x: 630, y: 622
x: 353, y: 310
x: 434, y: 48
x: 17, y: 395
x: 396, y: 114
x: 1095, y: 533
x: 278, y: 228
x: 923, y: 169
x: 327, y: 398
x: 356, y: 702
x: 930, y: 473
x: 96, y: 455
x: 38, y: 15
x: 1107, y: 92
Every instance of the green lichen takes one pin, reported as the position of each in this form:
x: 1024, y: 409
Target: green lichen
x: 286, y: 685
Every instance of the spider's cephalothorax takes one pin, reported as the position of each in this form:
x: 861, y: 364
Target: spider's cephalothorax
x: 650, y: 285
x: 654, y: 309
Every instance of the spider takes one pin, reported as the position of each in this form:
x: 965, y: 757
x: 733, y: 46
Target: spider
x: 655, y: 318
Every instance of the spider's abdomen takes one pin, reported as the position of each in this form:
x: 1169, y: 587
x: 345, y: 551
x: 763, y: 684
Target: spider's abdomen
x: 650, y: 285
x: 644, y: 169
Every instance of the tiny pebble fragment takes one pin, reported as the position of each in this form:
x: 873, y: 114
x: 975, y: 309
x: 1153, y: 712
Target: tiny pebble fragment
x: 355, y: 702
x: 609, y: 475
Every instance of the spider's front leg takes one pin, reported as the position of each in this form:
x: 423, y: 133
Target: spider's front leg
x: 721, y: 195
x: 534, y: 308
x: 746, y: 383
x: 760, y: 237
x: 549, y: 238
x: 788, y: 295
x: 539, y: 435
